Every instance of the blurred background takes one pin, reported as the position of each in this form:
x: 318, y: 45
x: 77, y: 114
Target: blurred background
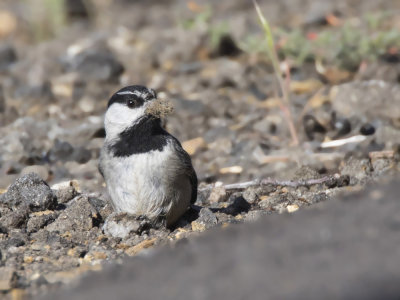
x: 60, y: 60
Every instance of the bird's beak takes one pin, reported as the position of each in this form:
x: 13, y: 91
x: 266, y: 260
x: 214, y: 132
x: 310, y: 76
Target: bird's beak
x: 159, y: 108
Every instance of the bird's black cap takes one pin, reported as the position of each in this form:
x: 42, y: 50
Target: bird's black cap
x: 138, y: 93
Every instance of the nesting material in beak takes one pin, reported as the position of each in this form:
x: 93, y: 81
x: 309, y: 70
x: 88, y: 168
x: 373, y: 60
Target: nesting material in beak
x: 159, y: 108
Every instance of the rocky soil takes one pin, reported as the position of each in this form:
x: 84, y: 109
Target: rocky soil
x: 56, y: 222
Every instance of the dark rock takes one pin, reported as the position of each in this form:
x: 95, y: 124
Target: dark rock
x: 367, y: 129
x: 312, y: 127
x: 14, y: 219
x: 79, y: 215
x: 61, y: 151
x: 237, y: 206
x: 7, y: 56
x: 341, y: 126
x: 65, y: 194
x: 29, y: 191
x: 227, y: 47
x: 121, y: 225
x: 341, y: 181
x: 81, y: 155
x: 96, y: 65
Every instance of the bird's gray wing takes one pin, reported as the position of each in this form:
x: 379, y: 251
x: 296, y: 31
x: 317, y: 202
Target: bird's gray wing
x: 187, y: 168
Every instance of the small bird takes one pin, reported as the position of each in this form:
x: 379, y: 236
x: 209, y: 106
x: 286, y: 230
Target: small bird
x: 146, y: 170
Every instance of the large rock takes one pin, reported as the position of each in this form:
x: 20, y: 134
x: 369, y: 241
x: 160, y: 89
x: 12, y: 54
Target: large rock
x: 29, y: 191
x: 368, y: 100
x: 79, y: 215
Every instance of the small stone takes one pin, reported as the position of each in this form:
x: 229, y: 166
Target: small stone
x: 237, y: 206
x: 29, y: 191
x: 197, y: 226
x: 227, y: 47
x: 207, y: 218
x: 218, y: 194
x: 313, y: 128
x: 8, y: 278
x: 292, y: 208
x: 121, y: 225
x: 367, y: 129
x: 28, y: 259
x: 342, y: 126
x: 65, y: 191
x: 141, y: 246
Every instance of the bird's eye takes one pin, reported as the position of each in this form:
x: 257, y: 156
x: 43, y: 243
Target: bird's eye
x: 130, y: 103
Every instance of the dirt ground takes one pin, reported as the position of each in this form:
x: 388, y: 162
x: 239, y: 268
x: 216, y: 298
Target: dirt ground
x: 340, y: 62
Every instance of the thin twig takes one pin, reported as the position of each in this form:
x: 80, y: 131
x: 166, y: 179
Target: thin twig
x: 274, y: 182
x: 278, y: 73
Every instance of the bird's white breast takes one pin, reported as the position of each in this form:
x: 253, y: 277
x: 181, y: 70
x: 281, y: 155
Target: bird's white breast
x: 146, y: 183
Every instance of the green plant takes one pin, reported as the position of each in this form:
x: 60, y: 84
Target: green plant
x: 345, y: 46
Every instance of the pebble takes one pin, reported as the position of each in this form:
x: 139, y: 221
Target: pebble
x: 367, y: 129
x: 207, y: 219
x: 141, y: 246
x: 121, y: 225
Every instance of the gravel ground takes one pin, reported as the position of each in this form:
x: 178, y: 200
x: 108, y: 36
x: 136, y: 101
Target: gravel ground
x: 55, y: 219
x: 345, y: 248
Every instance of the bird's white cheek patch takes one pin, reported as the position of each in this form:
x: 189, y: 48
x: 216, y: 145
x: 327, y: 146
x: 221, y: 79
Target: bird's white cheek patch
x: 119, y: 117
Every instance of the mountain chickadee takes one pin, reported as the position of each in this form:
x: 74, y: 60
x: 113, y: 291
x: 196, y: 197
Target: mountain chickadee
x: 146, y: 170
